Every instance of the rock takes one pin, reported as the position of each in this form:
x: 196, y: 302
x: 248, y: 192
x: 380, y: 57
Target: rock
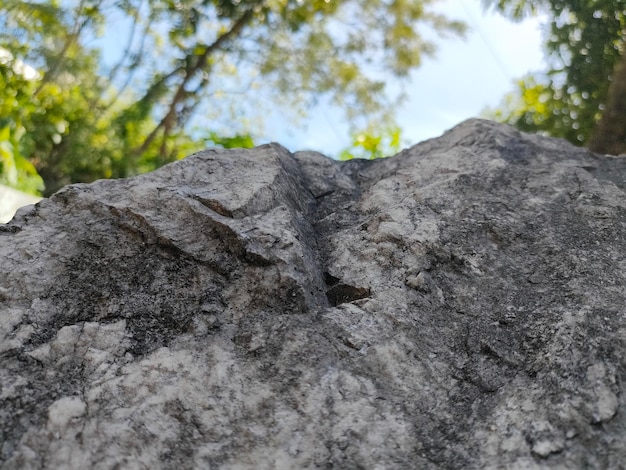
x: 460, y: 305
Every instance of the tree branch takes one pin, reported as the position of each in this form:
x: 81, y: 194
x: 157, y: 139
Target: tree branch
x: 191, y: 69
x: 131, y: 37
x: 132, y: 68
x: 70, y: 41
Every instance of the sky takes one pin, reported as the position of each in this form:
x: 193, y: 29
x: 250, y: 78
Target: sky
x: 465, y: 76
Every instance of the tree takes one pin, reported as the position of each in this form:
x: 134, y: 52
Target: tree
x: 609, y: 135
x: 15, y: 169
x: 374, y: 143
x: 586, y: 46
x: 139, y: 113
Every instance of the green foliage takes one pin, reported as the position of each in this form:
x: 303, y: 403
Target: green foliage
x: 76, y: 117
x: 585, y: 43
x: 243, y: 141
x: 516, y: 9
x: 370, y: 144
x: 536, y: 106
x: 15, y: 170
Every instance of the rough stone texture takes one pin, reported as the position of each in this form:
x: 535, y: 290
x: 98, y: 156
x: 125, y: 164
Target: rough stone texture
x: 460, y: 305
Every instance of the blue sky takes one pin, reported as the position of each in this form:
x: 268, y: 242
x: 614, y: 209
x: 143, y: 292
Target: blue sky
x: 465, y: 76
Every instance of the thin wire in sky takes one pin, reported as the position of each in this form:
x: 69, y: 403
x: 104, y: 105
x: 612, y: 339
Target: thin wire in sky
x: 494, y: 54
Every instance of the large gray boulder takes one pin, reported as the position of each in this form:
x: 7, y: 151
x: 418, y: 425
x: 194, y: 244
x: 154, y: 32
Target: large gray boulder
x: 460, y: 305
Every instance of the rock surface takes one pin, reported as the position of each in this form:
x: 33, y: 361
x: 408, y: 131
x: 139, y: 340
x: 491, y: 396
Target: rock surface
x: 460, y: 305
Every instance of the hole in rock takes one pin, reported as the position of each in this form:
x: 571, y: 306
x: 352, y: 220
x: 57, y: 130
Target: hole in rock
x: 343, y: 293
x: 330, y: 280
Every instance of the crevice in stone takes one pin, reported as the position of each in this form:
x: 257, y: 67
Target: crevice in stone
x: 344, y: 293
x: 329, y: 279
x: 215, y: 206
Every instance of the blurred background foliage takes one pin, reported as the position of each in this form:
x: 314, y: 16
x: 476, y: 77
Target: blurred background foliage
x: 95, y: 89
x: 187, y: 74
x: 582, y: 97
x: 374, y: 142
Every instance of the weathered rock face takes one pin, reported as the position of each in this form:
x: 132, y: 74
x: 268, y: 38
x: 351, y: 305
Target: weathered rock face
x: 460, y: 305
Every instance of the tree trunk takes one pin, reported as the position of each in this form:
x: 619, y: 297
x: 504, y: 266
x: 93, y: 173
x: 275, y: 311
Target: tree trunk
x: 609, y: 135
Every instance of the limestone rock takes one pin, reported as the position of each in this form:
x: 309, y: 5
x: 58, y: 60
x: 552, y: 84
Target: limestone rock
x: 460, y: 305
